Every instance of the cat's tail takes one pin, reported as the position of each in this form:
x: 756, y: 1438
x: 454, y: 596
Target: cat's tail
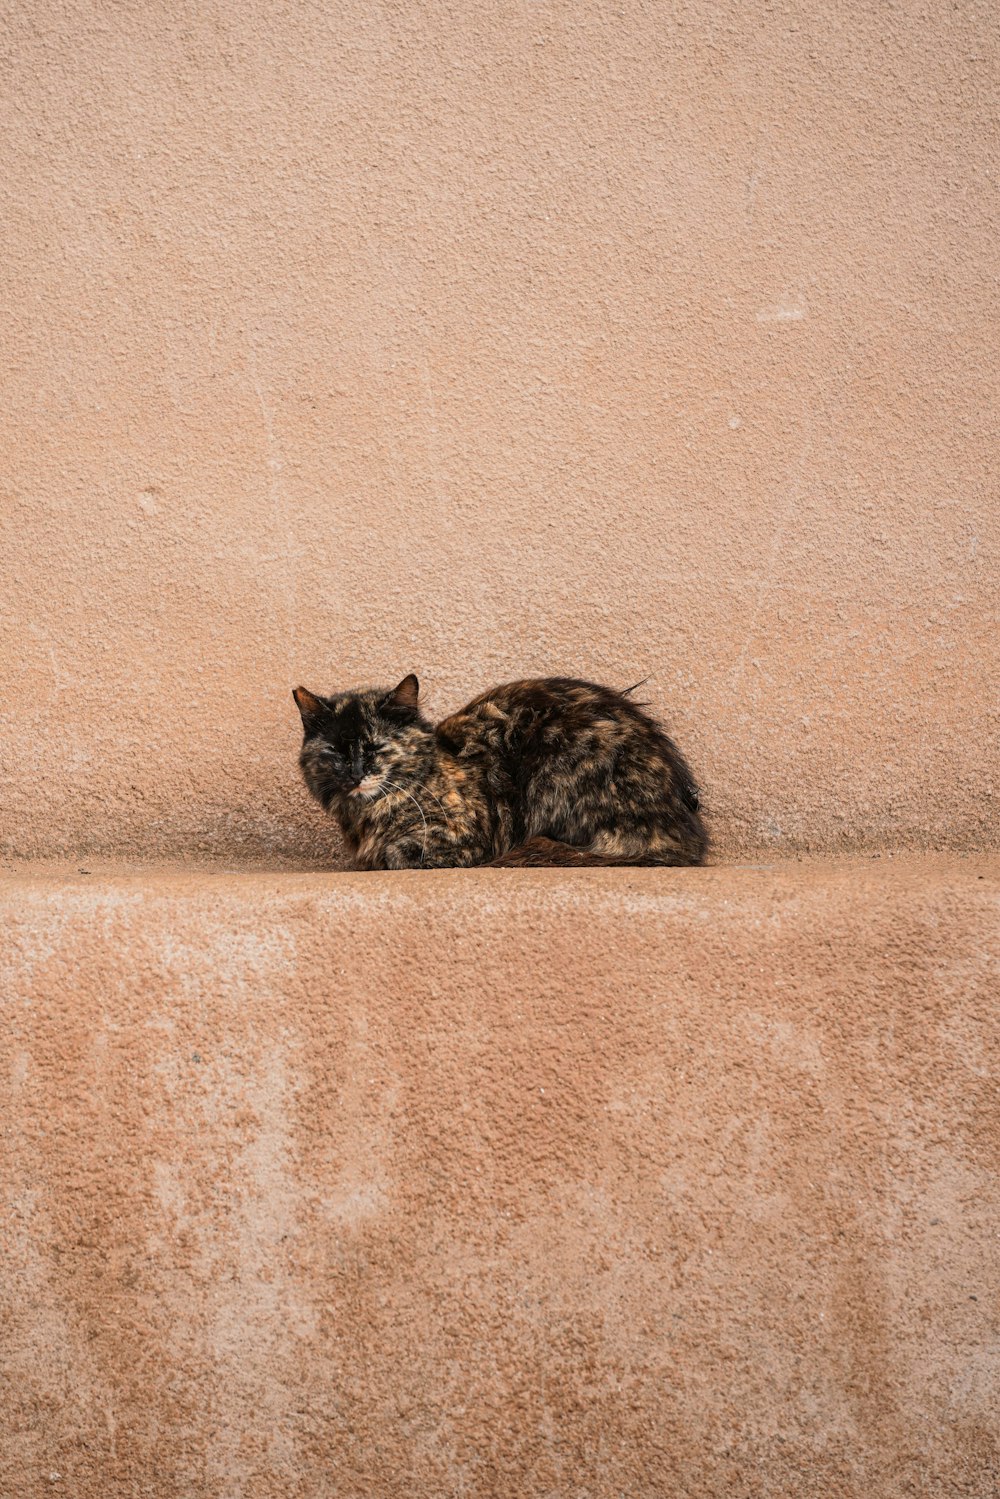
x: 547, y: 853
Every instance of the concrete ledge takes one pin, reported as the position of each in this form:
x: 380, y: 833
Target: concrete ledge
x: 644, y: 1183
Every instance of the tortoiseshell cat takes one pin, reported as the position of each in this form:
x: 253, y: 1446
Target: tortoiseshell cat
x: 542, y: 772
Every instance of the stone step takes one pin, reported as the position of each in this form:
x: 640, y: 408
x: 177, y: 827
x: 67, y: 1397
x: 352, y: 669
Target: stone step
x: 644, y: 1183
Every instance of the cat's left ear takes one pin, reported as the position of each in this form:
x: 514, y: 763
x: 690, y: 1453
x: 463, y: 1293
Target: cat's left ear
x: 308, y: 704
x: 405, y: 694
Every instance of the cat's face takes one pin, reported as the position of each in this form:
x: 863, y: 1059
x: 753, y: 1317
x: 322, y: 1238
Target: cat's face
x: 356, y: 744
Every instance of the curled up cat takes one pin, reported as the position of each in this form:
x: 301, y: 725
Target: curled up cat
x: 550, y: 771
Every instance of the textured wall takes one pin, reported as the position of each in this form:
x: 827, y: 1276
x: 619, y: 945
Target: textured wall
x: 491, y: 339
x: 644, y: 1183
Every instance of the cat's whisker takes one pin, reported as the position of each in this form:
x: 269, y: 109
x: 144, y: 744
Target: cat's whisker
x: 391, y: 786
x: 428, y: 792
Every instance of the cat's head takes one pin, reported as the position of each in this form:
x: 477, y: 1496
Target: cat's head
x: 356, y: 745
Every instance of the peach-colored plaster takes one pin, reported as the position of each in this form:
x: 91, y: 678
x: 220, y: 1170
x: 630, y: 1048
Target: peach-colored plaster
x: 644, y: 1183
x: 487, y: 339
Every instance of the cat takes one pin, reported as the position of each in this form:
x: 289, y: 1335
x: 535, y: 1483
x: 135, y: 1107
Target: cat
x: 551, y: 771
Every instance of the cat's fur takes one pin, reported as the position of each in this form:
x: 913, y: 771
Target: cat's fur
x: 542, y: 772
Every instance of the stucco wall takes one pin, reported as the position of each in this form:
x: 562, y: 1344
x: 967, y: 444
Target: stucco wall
x: 491, y: 339
x: 655, y: 1184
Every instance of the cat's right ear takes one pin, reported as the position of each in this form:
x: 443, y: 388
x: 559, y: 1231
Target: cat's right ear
x: 308, y: 705
x: 404, y: 695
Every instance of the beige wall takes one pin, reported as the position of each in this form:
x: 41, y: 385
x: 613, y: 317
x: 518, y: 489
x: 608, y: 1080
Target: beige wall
x: 491, y: 339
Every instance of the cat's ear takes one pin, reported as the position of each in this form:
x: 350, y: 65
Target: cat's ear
x: 308, y: 705
x: 405, y: 695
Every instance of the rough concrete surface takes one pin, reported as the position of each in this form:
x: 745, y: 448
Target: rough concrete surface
x: 642, y: 1183
x: 488, y: 339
